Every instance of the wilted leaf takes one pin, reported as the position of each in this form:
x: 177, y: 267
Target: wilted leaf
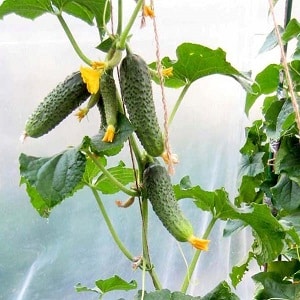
x: 271, y: 41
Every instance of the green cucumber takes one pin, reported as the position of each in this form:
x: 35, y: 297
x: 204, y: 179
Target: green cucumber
x: 100, y: 106
x: 159, y: 190
x: 57, y: 105
x: 137, y: 94
x: 110, y: 102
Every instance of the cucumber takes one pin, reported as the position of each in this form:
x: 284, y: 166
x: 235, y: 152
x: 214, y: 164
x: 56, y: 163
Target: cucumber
x: 159, y: 190
x: 100, y: 106
x: 57, y: 105
x: 110, y: 102
x: 136, y: 88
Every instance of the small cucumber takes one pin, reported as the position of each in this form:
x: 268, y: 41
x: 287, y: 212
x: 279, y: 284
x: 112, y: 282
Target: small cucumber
x: 57, y: 105
x: 136, y: 88
x: 110, y: 102
x: 159, y: 190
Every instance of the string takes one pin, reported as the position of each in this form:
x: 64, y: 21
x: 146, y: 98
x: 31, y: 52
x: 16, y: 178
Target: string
x: 163, y: 95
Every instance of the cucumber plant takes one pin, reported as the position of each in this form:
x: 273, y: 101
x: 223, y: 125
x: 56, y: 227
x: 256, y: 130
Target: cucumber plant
x: 268, y: 198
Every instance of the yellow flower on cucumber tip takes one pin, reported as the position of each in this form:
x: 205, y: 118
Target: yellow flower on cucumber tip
x: 81, y: 113
x: 167, y: 72
x: 148, y: 11
x: 91, y: 75
x: 199, y: 244
x: 109, y: 134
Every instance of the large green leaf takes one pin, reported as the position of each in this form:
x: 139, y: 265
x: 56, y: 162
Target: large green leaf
x: 252, y: 165
x: 86, y: 10
x: 286, y: 194
x: 268, y: 232
x: 195, y: 61
x: 50, y: 180
x: 275, y: 288
x: 26, y: 8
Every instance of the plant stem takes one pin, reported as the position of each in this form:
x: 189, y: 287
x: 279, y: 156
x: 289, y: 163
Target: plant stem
x: 111, y: 177
x: 178, y: 102
x: 110, y: 226
x: 123, y: 37
x: 72, y: 40
x: 120, y: 17
x: 146, y: 255
x: 196, y: 256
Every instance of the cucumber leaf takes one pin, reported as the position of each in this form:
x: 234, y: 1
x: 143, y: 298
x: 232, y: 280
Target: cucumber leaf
x: 195, y: 61
x: 257, y: 216
x: 86, y: 10
x: 286, y: 194
x: 274, y: 287
x: 291, y: 31
x: 221, y: 292
x: 238, y: 271
x: 122, y: 174
x: 26, y: 8
x: 114, y: 283
x: 266, y: 82
x: 96, y: 145
x: 163, y: 295
x: 49, y: 180
x: 270, y: 41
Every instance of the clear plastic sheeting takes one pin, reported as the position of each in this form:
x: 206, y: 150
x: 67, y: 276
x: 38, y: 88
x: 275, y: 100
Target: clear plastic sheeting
x: 45, y: 258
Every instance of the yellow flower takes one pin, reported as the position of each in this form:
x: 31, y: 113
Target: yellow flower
x: 91, y: 76
x: 81, y: 113
x: 168, y: 72
x: 148, y: 11
x: 199, y: 244
x: 109, y: 134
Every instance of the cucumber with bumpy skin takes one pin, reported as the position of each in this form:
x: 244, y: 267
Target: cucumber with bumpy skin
x: 100, y: 106
x: 137, y: 94
x: 110, y: 102
x: 57, y: 105
x: 159, y: 190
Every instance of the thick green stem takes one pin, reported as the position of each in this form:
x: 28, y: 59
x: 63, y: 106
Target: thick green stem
x: 72, y: 40
x: 111, y: 177
x: 122, y: 42
x: 110, y: 226
x: 195, y: 258
x: 178, y: 102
